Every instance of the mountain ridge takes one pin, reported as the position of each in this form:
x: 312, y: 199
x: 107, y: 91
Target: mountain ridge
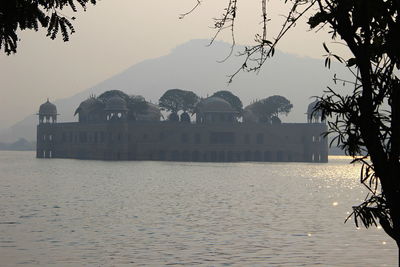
x: 193, y: 66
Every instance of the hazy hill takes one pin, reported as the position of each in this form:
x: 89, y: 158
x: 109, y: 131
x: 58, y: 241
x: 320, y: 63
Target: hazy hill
x: 193, y: 66
x: 20, y: 145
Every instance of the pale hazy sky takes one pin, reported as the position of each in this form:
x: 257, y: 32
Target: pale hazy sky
x: 116, y: 34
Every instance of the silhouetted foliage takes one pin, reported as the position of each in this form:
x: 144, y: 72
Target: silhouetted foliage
x: 272, y: 106
x: 276, y: 105
x: 175, y: 100
x: 136, y: 105
x: 190, y: 101
x: 366, y: 120
x: 22, y: 15
x: 232, y: 99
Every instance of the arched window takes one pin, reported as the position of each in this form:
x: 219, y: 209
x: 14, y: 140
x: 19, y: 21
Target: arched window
x: 280, y: 156
x: 161, y: 155
x: 195, y: 156
x: 213, y: 156
x: 221, y: 156
x: 186, y: 155
x: 267, y: 156
x: 175, y: 155
x: 247, y: 155
x: 230, y: 156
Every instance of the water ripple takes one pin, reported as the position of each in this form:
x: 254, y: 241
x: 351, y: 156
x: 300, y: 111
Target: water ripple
x: 94, y: 213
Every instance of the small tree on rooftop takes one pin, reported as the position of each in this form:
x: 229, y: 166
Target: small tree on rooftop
x: 175, y: 100
x: 277, y: 105
x: 136, y: 104
x: 270, y: 107
x: 190, y: 100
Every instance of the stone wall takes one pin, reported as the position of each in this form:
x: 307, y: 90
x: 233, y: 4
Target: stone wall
x: 301, y: 142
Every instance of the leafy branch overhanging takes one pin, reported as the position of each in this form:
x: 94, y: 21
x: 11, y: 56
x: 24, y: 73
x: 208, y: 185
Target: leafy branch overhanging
x: 365, y: 122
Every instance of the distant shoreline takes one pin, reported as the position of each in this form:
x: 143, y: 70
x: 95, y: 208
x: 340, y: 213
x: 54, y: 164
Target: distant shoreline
x: 334, y: 153
x: 20, y: 145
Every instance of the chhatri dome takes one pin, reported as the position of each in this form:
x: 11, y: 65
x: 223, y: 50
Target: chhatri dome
x: 91, y: 109
x: 47, y: 112
x: 88, y: 105
x: 215, y: 104
x: 216, y: 110
x: 47, y: 108
x: 312, y: 114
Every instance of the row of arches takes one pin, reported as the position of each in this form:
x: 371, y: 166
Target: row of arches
x: 46, y: 154
x: 224, y: 156
x: 47, y: 137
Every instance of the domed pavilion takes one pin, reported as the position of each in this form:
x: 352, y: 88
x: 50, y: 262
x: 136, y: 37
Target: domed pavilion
x: 116, y: 108
x: 313, y: 115
x: 47, y: 113
x: 215, y: 110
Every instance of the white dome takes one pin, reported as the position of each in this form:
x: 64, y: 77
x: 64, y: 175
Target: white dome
x: 215, y: 104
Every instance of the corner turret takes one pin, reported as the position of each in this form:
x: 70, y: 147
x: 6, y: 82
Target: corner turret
x: 45, y: 138
x: 47, y: 113
x: 314, y: 115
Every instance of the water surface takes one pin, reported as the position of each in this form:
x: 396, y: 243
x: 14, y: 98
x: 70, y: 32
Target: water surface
x: 57, y: 212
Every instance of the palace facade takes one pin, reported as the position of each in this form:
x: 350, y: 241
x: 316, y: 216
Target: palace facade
x: 110, y: 130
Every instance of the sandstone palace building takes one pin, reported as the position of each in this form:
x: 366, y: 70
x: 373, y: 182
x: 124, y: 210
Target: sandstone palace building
x: 109, y: 129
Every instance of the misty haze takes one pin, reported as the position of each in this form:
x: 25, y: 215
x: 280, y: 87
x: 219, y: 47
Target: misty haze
x: 125, y: 142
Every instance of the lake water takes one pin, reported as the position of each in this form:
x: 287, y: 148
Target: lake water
x: 94, y: 213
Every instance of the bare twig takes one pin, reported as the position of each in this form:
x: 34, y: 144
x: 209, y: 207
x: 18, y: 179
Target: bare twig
x: 182, y: 16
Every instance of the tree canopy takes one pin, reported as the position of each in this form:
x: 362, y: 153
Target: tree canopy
x: 136, y: 104
x: 175, y: 100
x: 276, y: 105
x: 271, y: 107
x: 31, y: 15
